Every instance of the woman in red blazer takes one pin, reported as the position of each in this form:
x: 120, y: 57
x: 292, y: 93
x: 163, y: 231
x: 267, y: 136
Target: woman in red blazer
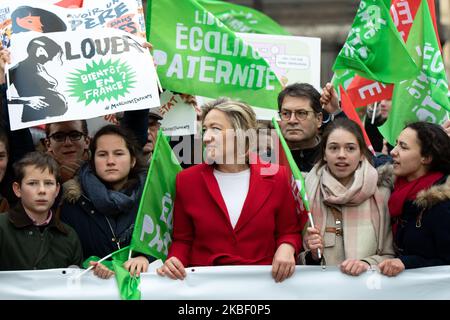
x: 229, y: 211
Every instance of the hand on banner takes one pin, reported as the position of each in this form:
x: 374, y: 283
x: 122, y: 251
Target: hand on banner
x: 446, y: 127
x: 313, y: 241
x: 173, y: 268
x: 101, y: 271
x: 354, y: 267
x: 391, y: 267
x: 283, y: 264
x: 329, y: 99
x: 5, y: 57
x: 136, y: 265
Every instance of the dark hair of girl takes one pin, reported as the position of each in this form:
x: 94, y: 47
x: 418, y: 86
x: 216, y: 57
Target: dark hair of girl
x: 434, y: 143
x: 349, y: 126
x: 132, y: 146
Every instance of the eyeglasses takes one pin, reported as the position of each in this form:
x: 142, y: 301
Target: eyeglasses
x: 286, y: 115
x: 61, y: 136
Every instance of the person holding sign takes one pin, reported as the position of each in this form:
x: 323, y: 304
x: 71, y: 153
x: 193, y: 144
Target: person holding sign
x: 420, y: 202
x: 232, y: 210
x: 352, y: 223
x: 102, y: 202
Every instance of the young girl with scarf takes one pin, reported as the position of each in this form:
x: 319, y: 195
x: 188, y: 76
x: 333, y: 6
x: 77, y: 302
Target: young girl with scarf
x: 102, y: 202
x: 420, y: 203
x: 349, y: 207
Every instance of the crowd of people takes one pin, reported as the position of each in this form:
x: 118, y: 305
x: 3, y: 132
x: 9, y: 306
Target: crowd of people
x: 79, y: 198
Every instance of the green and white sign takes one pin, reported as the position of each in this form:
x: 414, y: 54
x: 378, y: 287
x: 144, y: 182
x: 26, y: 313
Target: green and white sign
x: 197, y: 54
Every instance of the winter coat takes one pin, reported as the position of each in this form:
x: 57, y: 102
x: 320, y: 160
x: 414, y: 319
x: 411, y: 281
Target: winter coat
x: 423, y: 235
x: 24, y: 246
x: 100, y: 229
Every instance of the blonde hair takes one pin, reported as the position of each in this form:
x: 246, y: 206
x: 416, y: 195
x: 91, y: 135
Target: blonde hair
x: 241, y: 116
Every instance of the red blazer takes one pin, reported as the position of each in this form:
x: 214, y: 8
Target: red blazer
x: 202, y: 231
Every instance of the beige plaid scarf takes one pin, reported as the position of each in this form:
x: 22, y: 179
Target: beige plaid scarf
x: 361, y: 205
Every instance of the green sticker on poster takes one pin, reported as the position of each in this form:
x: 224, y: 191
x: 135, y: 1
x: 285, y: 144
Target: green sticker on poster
x: 101, y: 81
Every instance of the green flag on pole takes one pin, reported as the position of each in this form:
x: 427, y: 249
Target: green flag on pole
x: 286, y: 159
x: 128, y: 285
x: 152, y: 234
x: 198, y: 54
x: 242, y: 19
x: 374, y: 48
x: 297, y: 182
x: 425, y: 97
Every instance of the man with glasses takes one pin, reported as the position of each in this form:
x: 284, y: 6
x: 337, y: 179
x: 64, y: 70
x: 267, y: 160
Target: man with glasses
x: 301, y: 115
x: 68, y: 143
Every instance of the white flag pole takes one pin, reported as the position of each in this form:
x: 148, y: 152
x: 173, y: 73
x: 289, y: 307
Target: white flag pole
x: 91, y: 267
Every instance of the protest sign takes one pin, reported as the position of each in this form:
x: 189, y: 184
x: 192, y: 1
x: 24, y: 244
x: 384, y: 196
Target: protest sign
x: 293, y: 59
x: 197, y: 54
x: 179, y: 117
x: 44, y: 17
x: 65, y: 76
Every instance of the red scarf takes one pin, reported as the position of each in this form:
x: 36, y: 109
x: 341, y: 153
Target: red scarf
x: 408, y: 190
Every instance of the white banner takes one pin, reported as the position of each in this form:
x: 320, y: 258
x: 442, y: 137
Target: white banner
x: 234, y: 283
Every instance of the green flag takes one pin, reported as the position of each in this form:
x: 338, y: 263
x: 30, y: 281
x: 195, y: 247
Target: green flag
x: 374, y: 48
x: 288, y: 161
x: 152, y: 234
x: 425, y: 97
x: 242, y: 19
x: 128, y: 285
x: 198, y: 54
x: 342, y: 78
x: 152, y: 231
x: 297, y: 182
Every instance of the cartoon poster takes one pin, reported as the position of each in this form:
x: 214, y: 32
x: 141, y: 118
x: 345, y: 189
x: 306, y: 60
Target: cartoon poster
x: 18, y: 16
x: 293, y: 59
x: 71, y: 75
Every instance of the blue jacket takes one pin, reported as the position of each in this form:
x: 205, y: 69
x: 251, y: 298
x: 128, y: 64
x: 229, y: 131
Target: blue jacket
x: 100, y: 232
